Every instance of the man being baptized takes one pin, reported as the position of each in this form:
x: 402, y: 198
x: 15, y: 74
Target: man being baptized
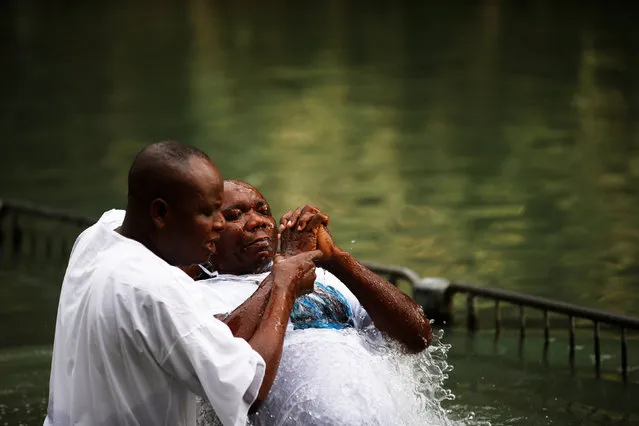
x: 330, y: 371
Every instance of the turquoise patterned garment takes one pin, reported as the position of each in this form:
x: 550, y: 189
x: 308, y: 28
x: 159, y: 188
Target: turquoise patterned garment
x: 325, y: 307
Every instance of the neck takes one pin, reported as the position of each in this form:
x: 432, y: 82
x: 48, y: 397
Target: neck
x: 136, y: 230
x: 266, y: 267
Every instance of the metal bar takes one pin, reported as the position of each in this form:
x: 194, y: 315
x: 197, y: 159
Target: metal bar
x: 392, y: 278
x: 543, y: 303
x: 595, y: 329
x: 400, y: 271
x: 471, y: 317
x: 522, y: 322
x: 546, y: 328
x: 624, y: 355
x: 38, y: 211
x: 16, y: 235
x: 571, y: 326
x: 546, y: 336
x: 4, y: 210
x: 497, y: 319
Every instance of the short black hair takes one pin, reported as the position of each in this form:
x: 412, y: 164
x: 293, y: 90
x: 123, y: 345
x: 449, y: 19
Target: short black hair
x: 158, y: 167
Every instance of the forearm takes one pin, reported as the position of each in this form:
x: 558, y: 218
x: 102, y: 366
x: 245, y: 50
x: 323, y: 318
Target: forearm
x: 393, y: 312
x: 244, y: 320
x: 269, y: 335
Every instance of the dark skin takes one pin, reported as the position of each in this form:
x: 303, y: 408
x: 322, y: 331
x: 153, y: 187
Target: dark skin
x: 249, y: 242
x: 174, y: 211
x: 247, y: 245
x: 304, y: 230
x: 185, y: 223
x: 392, y: 312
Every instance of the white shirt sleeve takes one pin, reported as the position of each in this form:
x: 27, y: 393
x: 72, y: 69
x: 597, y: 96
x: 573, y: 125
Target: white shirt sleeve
x: 175, y: 323
x: 219, y: 367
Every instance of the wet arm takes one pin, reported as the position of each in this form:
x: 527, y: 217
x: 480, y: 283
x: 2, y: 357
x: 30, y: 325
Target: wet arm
x: 268, y: 338
x: 243, y: 321
x: 393, y: 312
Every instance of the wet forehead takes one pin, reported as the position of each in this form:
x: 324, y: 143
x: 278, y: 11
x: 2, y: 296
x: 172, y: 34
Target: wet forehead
x: 241, y: 194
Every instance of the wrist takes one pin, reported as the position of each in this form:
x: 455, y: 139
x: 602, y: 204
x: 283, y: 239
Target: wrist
x: 337, y: 257
x: 282, y: 290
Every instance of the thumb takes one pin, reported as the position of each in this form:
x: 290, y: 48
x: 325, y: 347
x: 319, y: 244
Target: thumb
x: 313, y: 255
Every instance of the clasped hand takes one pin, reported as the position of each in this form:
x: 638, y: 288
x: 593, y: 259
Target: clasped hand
x: 304, y: 229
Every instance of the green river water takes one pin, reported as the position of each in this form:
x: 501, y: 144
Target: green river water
x: 494, y: 142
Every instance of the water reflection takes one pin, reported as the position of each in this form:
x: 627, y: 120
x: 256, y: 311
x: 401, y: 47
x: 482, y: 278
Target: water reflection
x: 489, y: 141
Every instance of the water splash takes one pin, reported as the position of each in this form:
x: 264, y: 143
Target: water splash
x: 359, y: 377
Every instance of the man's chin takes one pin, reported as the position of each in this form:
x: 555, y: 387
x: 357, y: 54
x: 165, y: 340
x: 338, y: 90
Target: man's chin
x: 263, y: 266
x: 204, y: 257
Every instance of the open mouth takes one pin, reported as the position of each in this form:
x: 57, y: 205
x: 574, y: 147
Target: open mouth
x: 210, y: 245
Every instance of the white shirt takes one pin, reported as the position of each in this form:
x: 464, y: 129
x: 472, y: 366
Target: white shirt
x: 136, y: 340
x: 325, y: 329
x: 330, y: 297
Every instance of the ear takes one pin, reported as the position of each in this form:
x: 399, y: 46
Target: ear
x: 159, y: 212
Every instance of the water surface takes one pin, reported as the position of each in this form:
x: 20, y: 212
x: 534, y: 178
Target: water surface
x: 493, y: 142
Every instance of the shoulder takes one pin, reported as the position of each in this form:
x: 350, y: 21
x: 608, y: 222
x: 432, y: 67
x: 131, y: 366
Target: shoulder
x: 128, y: 277
x: 231, y: 290
x: 147, y: 275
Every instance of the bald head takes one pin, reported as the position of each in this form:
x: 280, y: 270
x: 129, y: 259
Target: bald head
x: 175, y: 195
x: 161, y: 169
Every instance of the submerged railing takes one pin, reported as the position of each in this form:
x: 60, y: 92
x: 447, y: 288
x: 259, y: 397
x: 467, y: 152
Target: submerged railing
x: 37, y: 232
x: 29, y: 231
x: 436, y: 296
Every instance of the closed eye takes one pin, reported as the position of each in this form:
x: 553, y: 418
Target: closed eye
x: 232, y: 214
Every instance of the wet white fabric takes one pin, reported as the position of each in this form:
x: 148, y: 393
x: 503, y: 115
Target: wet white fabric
x: 233, y: 290
x: 331, y: 377
x: 307, y: 389
x: 136, y: 340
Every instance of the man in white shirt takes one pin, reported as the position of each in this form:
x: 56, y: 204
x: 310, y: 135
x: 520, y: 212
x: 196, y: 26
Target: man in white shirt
x: 136, y: 338
x: 322, y: 328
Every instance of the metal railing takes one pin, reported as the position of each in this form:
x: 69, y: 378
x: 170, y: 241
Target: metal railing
x: 30, y: 230
x: 24, y: 227
x: 436, y: 296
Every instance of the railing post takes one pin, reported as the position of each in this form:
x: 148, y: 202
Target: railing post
x: 624, y: 355
x: 16, y: 236
x: 471, y: 316
x: 571, y: 337
x: 595, y: 329
x: 546, y: 336
x: 393, y: 278
x: 436, y: 301
x: 497, y: 319
x: 522, y: 322
x: 4, y: 210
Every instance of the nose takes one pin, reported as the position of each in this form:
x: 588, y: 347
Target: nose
x: 219, y: 223
x: 255, y: 221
